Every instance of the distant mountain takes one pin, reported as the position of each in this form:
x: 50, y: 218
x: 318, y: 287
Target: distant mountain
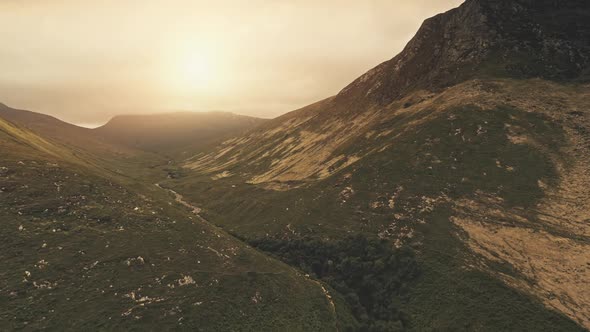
x: 175, y: 132
x: 128, y: 142
x: 468, y: 150
x: 166, y: 133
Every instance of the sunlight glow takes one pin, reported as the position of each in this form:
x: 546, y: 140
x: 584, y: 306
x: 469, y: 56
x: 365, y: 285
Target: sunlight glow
x: 196, y: 71
x: 193, y: 71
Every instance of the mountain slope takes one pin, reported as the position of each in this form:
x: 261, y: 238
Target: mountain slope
x: 469, y: 149
x: 84, y: 249
x: 448, y: 175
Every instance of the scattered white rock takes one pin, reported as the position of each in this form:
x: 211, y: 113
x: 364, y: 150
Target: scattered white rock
x: 42, y: 264
x: 135, y: 260
x: 346, y: 194
x: 392, y: 202
x: 256, y: 298
x: 186, y: 280
x: 44, y: 285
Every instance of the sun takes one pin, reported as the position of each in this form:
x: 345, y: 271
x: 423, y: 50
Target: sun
x: 197, y: 71
x: 192, y: 72
x: 193, y: 69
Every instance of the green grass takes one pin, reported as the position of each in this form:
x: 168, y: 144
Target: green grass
x: 80, y: 240
x: 455, y: 155
x: 86, y: 219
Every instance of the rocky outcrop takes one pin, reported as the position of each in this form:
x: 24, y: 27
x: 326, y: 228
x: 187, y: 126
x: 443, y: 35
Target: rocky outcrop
x: 485, y: 38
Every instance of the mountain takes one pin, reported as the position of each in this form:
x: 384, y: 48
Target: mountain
x: 446, y: 189
x: 480, y: 39
x: 175, y: 132
x: 85, y: 247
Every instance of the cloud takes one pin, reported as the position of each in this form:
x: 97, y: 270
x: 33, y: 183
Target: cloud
x: 84, y: 61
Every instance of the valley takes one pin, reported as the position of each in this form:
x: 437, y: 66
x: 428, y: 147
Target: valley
x: 88, y: 248
x: 447, y: 189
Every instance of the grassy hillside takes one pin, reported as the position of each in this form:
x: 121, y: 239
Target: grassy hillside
x: 443, y: 177
x: 82, y: 249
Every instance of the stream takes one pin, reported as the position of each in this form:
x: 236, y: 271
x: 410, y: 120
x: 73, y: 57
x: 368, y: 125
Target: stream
x: 180, y: 199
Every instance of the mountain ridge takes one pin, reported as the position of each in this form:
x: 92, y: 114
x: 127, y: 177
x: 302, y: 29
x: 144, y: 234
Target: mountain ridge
x: 481, y: 39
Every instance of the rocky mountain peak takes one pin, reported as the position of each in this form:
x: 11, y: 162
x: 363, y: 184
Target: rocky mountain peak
x: 485, y: 38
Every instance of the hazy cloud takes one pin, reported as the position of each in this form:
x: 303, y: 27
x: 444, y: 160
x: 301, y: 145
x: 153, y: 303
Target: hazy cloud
x: 85, y: 61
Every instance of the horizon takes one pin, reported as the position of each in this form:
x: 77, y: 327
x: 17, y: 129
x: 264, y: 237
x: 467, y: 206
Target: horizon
x: 262, y: 60
x: 170, y: 112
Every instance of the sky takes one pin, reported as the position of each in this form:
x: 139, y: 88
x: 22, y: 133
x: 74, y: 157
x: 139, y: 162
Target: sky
x: 86, y: 61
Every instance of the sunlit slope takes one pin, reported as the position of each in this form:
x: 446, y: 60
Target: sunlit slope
x: 25, y: 141
x: 82, y: 251
x: 77, y: 138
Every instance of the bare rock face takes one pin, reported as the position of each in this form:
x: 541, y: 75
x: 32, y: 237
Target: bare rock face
x: 485, y: 38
